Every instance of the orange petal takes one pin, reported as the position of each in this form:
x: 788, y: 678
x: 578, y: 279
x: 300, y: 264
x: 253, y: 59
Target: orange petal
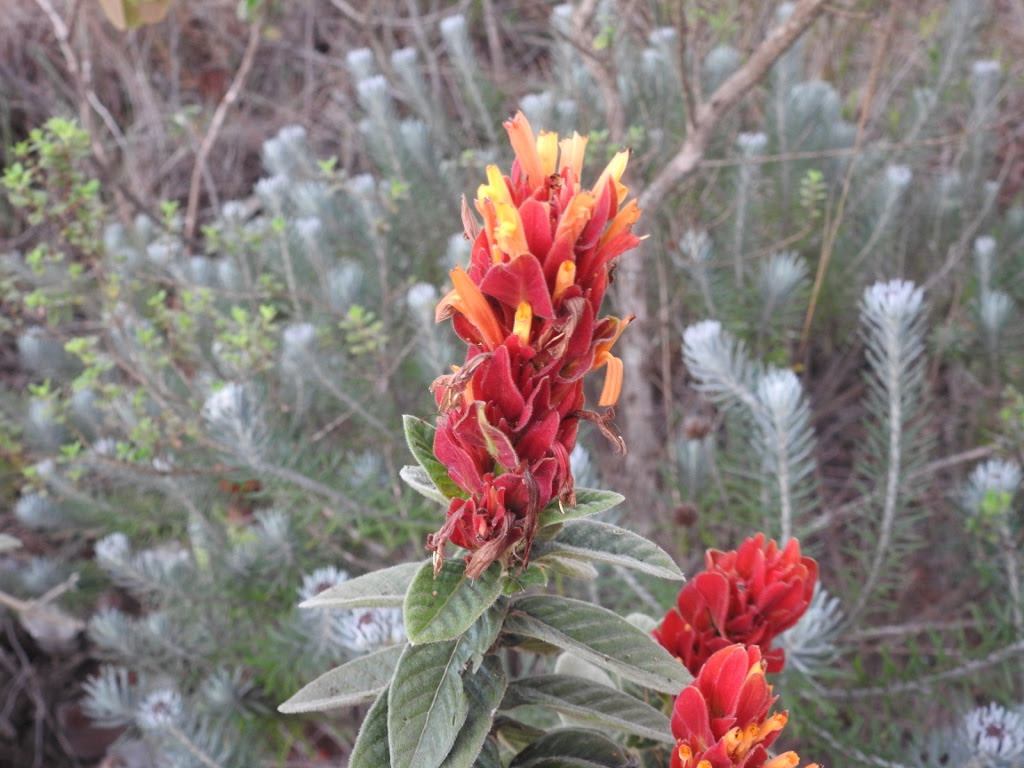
x: 572, y: 153
x: 623, y: 220
x: 520, y: 134
x: 575, y: 217
x: 614, y: 171
x: 612, y: 381
x: 472, y: 304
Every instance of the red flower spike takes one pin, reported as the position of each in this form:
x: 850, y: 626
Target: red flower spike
x: 748, y: 596
x: 722, y: 720
x: 528, y: 306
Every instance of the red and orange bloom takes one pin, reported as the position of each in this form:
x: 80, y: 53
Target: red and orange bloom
x: 722, y: 720
x: 528, y: 307
x: 748, y: 596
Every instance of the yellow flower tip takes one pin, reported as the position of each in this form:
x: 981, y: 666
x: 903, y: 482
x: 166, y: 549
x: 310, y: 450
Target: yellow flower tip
x: 614, y: 171
x: 547, y: 149
x: 785, y: 760
x: 564, y: 278
x: 685, y: 755
x: 520, y: 135
x: 508, y: 232
x: 612, y: 381
x: 524, y: 321
x: 495, y: 189
x: 572, y: 151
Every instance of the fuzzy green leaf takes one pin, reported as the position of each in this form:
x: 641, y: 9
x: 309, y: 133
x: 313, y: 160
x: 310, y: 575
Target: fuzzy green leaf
x: 358, y: 680
x: 600, y: 637
x: 596, y: 704
x: 385, y: 588
x: 420, y: 437
x: 427, y: 702
x: 590, y: 540
x: 589, y: 501
x: 442, y: 606
x: 555, y: 562
x: 371, y: 747
x: 416, y: 477
x: 489, y: 756
x: 573, y: 748
x: 484, y: 690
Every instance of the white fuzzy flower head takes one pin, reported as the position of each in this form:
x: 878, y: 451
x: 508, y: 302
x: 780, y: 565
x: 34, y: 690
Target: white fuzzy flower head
x: 298, y: 340
x: 696, y: 246
x: 373, y: 93
x: 159, y: 709
x: 422, y: 298
x: 453, y: 25
x: 779, y: 391
x: 703, y: 334
x: 403, y: 57
x: 233, y: 212
x: 898, y: 177
x: 368, y: 629
x: 781, y: 274
x: 38, y: 511
x: 274, y: 188
x: 292, y: 134
x: 752, y: 144
x: 984, y: 81
x: 999, y: 477
x: 994, y: 311
x: 113, y: 548
x: 309, y: 228
x: 894, y: 300
x: 225, y: 403
x: 995, y: 732
x: 360, y: 63
x: 322, y: 578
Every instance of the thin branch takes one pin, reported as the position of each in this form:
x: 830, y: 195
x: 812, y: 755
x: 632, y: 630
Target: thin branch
x: 221, y: 113
x: 711, y: 112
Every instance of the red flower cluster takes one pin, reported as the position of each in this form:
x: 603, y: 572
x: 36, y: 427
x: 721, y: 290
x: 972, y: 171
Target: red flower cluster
x: 528, y: 309
x: 721, y: 719
x: 746, y: 596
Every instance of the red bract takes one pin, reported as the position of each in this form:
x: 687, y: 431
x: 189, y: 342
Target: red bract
x: 747, y: 596
x: 721, y: 719
x: 528, y: 308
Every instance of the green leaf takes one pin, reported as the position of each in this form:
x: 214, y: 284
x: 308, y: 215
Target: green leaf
x: 489, y: 756
x: 600, y: 637
x: 589, y: 501
x: 371, y: 747
x: 515, y: 734
x: 358, y: 680
x: 484, y: 690
x: 442, y: 607
x: 420, y: 437
x: 385, y: 588
x: 590, y: 540
x: 573, y: 748
x: 594, y: 703
x: 572, y: 567
x: 416, y: 477
x: 427, y: 702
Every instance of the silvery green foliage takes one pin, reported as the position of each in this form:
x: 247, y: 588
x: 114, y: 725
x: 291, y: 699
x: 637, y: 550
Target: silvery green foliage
x: 38, y: 510
x: 770, y: 400
x: 721, y: 61
x: 236, y: 419
x: 44, y: 356
x: 811, y: 644
x: 997, y: 480
x: 467, y: 70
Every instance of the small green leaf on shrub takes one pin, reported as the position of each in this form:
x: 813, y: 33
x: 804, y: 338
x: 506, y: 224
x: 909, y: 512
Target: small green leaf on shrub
x: 484, y: 690
x: 385, y: 588
x: 600, y: 637
x: 573, y: 748
x: 590, y: 540
x: 592, y: 702
x: 427, y: 702
x: 416, y: 477
x: 358, y: 680
x: 443, y: 606
x: 589, y: 501
x: 371, y: 747
x: 420, y: 437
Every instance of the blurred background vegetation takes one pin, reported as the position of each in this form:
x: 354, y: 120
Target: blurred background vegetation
x: 223, y: 236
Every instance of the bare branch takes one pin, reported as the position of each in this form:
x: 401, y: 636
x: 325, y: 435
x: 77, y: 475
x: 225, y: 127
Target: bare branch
x: 711, y: 112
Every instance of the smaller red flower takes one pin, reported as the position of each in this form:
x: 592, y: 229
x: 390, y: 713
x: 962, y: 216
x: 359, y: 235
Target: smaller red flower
x: 748, y: 596
x: 721, y: 719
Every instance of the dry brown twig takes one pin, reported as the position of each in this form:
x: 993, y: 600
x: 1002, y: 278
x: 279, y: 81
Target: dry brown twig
x: 219, y: 116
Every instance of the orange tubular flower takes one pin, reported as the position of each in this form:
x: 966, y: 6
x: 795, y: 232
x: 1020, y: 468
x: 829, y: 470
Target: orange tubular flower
x: 721, y: 719
x: 528, y: 307
x: 748, y: 596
